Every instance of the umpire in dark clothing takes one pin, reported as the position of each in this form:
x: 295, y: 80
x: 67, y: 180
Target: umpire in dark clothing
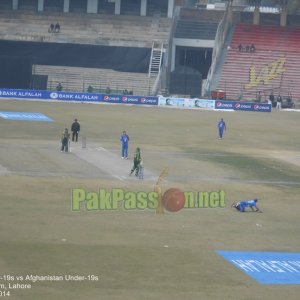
x: 75, y: 128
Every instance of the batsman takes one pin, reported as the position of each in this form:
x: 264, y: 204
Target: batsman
x: 65, y: 138
x: 136, y: 162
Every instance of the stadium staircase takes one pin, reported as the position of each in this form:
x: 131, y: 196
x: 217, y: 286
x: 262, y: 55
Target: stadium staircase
x: 158, y: 49
x: 274, y: 66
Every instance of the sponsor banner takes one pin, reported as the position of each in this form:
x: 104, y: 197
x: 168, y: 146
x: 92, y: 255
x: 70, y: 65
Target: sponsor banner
x: 149, y: 100
x: 129, y: 99
x: 73, y: 96
x: 24, y: 116
x: 175, y: 102
x: 23, y: 94
x: 77, y: 96
x: 266, y: 267
x: 45, y: 95
x: 112, y: 98
x: 262, y: 107
x: 224, y: 104
x: 200, y: 103
x: 246, y: 106
x: 186, y: 102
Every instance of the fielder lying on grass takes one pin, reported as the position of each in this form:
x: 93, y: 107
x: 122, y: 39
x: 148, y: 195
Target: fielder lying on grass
x: 241, y: 205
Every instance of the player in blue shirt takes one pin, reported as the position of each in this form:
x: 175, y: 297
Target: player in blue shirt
x: 241, y: 205
x: 124, y: 139
x: 221, y: 127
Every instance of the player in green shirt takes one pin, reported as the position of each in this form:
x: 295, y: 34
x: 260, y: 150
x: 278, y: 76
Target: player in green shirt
x: 136, y: 162
x: 65, y: 137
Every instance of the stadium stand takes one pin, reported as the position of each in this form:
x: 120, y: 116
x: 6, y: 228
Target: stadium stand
x: 273, y: 65
x: 79, y: 28
x: 187, y: 40
x: 79, y: 79
x: 87, y: 29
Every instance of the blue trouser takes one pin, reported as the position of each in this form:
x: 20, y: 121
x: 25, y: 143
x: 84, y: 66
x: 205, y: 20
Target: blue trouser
x: 221, y: 130
x: 241, y: 206
x: 124, y: 150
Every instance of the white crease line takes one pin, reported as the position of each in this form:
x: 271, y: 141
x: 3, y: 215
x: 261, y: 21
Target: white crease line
x: 119, y: 177
x: 101, y: 149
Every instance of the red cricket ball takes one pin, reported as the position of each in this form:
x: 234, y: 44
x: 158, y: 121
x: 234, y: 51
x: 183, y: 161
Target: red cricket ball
x: 173, y: 199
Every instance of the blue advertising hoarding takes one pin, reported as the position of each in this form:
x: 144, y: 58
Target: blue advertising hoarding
x: 130, y: 99
x: 246, y: 106
x: 266, y: 267
x: 73, y: 96
x: 78, y: 97
x: 22, y: 94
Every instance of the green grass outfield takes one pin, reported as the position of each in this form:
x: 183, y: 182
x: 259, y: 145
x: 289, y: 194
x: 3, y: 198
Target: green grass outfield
x: 139, y: 255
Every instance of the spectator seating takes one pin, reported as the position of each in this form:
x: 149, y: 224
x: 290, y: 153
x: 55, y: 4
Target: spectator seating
x: 78, y: 79
x: 92, y: 29
x: 273, y: 66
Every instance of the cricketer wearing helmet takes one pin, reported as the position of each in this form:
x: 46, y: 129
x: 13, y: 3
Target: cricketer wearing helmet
x: 241, y: 205
x: 136, y: 162
x: 65, y: 137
